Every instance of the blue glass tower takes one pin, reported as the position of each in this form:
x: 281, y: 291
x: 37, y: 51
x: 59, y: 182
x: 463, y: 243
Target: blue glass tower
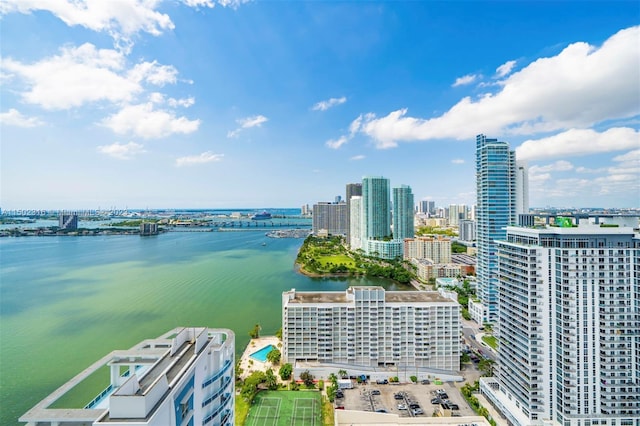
x: 403, y: 206
x: 376, y: 209
x: 496, y: 208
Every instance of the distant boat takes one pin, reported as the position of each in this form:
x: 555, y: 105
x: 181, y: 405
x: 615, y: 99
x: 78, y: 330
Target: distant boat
x: 261, y: 216
x: 264, y: 244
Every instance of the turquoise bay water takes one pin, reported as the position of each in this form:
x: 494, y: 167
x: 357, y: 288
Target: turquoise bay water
x: 67, y: 301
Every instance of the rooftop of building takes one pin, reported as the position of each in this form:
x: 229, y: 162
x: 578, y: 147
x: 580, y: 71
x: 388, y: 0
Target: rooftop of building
x: 344, y: 296
x: 164, y: 360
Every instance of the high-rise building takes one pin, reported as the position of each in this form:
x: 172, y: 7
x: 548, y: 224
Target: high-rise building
x: 352, y: 190
x: 496, y: 208
x: 522, y: 188
x: 426, y: 207
x: 355, y: 222
x: 376, y: 209
x: 403, y: 214
x: 185, y: 377
x: 569, y: 321
x: 371, y: 327
x: 436, y: 249
x: 331, y: 217
x: 68, y: 222
x: 467, y: 230
x: 457, y: 212
x: 148, y: 228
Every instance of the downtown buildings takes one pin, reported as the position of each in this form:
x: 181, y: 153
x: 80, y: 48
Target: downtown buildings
x: 185, y: 377
x: 569, y: 323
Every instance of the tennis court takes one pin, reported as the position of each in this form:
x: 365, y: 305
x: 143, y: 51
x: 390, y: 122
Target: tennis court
x: 285, y: 408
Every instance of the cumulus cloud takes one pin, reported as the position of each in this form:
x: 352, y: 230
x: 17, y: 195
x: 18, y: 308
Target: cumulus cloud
x: 120, y: 19
x: 233, y: 4
x: 247, y: 122
x: 505, y: 68
x: 581, y: 86
x: 325, y: 105
x: 464, y: 80
x: 85, y: 74
x: 357, y: 157
x: 121, y: 151
x: 457, y: 161
x: 146, y: 122
x: 558, y: 166
x: 337, y: 143
x: 576, y: 142
x: 13, y: 117
x: 205, y: 157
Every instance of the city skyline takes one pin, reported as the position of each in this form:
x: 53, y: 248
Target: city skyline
x: 259, y: 104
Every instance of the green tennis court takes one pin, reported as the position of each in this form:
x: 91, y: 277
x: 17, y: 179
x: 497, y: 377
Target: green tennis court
x: 285, y: 408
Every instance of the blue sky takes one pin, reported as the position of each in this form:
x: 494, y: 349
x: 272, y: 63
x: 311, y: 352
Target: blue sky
x: 233, y: 103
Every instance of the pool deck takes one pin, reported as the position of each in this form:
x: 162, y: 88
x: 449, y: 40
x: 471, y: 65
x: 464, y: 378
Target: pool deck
x: 254, y: 346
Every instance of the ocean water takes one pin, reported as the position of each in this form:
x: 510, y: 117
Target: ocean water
x: 67, y: 301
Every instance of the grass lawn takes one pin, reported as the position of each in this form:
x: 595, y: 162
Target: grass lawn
x: 491, y: 341
x: 285, y: 408
x: 337, y: 259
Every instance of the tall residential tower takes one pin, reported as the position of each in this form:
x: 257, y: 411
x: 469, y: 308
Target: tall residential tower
x: 496, y: 208
x: 403, y: 213
x: 569, y: 318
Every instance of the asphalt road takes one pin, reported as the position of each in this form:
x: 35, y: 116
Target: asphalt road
x: 469, y: 329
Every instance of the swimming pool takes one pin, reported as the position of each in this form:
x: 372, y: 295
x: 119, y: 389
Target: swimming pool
x: 261, y: 355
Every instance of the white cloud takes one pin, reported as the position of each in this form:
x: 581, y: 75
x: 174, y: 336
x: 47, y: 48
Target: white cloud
x: 145, y: 122
x: 558, y: 166
x: 505, y: 68
x: 581, y: 86
x: 633, y: 156
x: 13, y: 117
x: 337, y: 143
x: 77, y: 76
x: 85, y: 74
x: 248, y: 122
x: 121, y: 151
x: 185, y: 102
x: 205, y: 157
x: 199, y: 3
x: 576, y: 142
x: 466, y: 79
x: 233, y: 4
x: 153, y: 73
x: 325, y: 105
x: 120, y: 19
x: 357, y: 157
x: 457, y: 161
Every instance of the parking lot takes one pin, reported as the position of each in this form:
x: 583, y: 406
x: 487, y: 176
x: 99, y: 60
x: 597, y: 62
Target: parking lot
x: 402, y: 399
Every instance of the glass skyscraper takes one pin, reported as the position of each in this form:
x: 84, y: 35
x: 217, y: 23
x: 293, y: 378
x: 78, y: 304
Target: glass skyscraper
x: 403, y: 207
x: 496, y: 208
x: 376, y: 209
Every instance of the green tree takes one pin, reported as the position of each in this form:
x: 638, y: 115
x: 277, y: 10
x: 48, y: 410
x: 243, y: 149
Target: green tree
x: 307, y: 378
x: 279, y: 333
x: 285, y: 371
x: 342, y: 374
x: 333, y: 379
x: 320, y: 384
x: 414, y: 379
x: 271, y: 380
x: 250, y: 386
x: 274, y: 356
x: 486, y: 367
x: 464, y: 358
x: 254, y: 333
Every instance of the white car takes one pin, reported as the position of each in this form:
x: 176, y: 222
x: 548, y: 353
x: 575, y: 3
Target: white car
x: 402, y: 407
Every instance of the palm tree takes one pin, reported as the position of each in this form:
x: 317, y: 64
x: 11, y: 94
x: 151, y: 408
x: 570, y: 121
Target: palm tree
x: 342, y: 374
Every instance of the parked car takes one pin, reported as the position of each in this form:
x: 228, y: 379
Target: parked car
x: 398, y: 396
x: 402, y: 407
x: 417, y: 411
x: 339, y: 394
x: 426, y: 382
x: 382, y: 381
x: 381, y: 410
x: 436, y: 401
x: 414, y: 405
x: 375, y: 392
